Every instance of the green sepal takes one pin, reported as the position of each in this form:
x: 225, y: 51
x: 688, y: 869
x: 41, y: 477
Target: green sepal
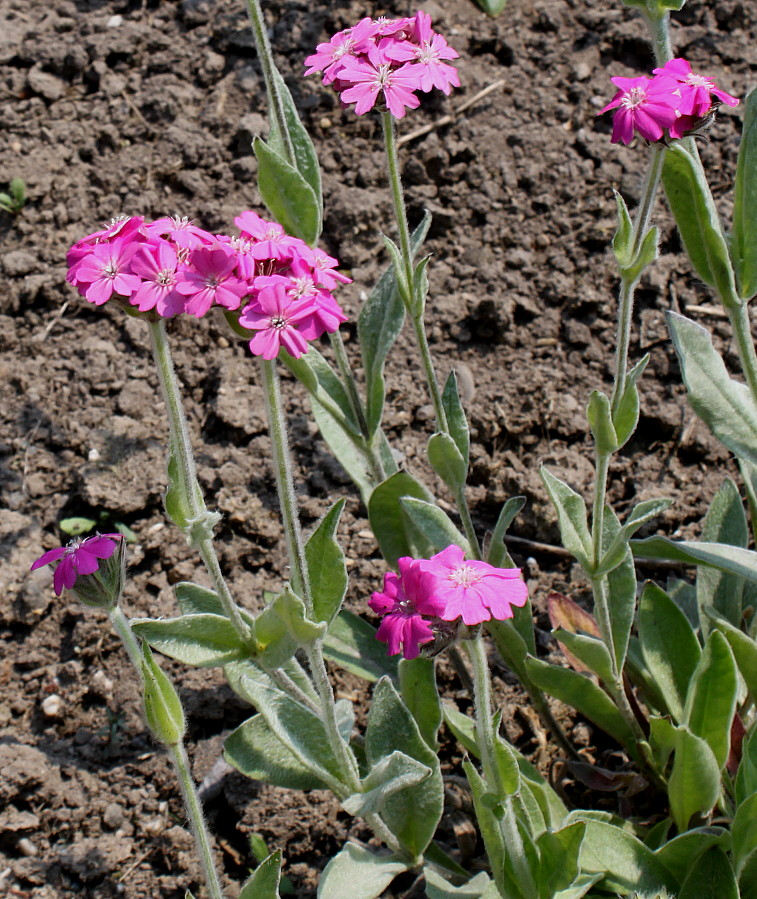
x: 163, y: 711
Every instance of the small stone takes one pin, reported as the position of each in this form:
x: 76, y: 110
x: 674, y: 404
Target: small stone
x: 582, y: 71
x: 113, y: 816
x: 93, y: 455
x: 26, y: 847
x: 45, y: 84
x: 154, y: 827
x: 52, y: 705
x: 114, y: 21
x: 19, y: 262
x: 325, y: 122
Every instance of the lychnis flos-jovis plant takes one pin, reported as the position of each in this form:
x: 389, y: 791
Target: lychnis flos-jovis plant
x: 673, y: 103
x: 428, y: 599
x: 276, y: 285
x: 391, y: 57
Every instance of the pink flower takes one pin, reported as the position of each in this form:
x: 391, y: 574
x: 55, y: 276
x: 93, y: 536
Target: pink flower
x: 181, y: 231
x: 208, y: 279
x: 696, y: 98
x: 328, y: 56
x: 471, y: 590
x: 367, y: 80
x: 403, y: 603
x: 156, y: 264
x: 427, y: 49
x: 106, y: 271
x: 80, y: 557
x: 277, y: 317
x: 647, y: 105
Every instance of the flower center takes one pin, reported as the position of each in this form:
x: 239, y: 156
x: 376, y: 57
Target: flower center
x: 180, y: 223
x: 699, y: 81
x: 110, y: 270
x: 212, y: 281
x: 635, y: 97
x: 464, y: 576
x: 165, y: 278
x: 278, y: 322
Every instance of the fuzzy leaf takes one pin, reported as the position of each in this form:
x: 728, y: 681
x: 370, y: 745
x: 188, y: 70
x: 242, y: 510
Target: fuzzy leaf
x: 744, y: 649
x: 395, y: 533
x: 711, y: 875
x: 498, y: 554
x: 264, y: 882
x: 589, y: 651
x: 327, y: 572
x: 456, y: 420
x: 163, y: 710
x: 421, y: 696
x: 559, y: 852
x: 621, y: 588
x: 626, y: 416
x: 358, y: 873
x: 681, y: 853
x: 446, y: 460
x: 351, y: 643
x: 617, y: 548
x: 600, y: 422
x: 434, y: 524
x: 571, y: 516
x: 744, y: 234
x: 695, y: 780
x: 391, y: 775
x: 287, y: 194
x: 205, y: 641
x: 715, y: 555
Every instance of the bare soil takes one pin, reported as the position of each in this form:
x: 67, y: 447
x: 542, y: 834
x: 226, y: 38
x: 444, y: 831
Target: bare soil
x: 114, y: 106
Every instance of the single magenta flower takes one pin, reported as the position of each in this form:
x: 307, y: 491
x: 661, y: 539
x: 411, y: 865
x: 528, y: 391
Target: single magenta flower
x: 698, y: 90
x: 406, y: 604
x: 276, y: 317
x: 209, y: 278
x: 645, y: 105
x: 106, y: 270
x: 157, y: 263
x: 471, y: 590
x: 79, y: 558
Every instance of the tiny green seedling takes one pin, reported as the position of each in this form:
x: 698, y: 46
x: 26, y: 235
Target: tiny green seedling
x: 13, y: 201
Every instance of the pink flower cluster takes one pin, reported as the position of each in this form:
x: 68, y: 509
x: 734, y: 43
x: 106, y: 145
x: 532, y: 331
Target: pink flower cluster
x: 675, y: 100
x: 388, y: 57
x: 280, y: 286
x: 79, y: 558
x: 444, y: 588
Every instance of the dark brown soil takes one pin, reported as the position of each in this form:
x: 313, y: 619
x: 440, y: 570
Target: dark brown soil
x: 113, y: 106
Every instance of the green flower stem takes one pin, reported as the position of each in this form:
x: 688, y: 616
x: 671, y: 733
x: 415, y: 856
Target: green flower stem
x: 200, y: 531
x: 181, y: 763
x: 742, y: 331
x: 263, y: 46
x: 659, y: 27
x: 282, y: 467
x: 485, y: 737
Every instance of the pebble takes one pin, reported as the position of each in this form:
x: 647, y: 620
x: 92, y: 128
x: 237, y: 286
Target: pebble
x: 113, y: 816
x: 52, y: 705
x: 154, y: 827
x: 26, y: 847
x: 48, y: 86
x: 19, y: 262
x: 114, y: 21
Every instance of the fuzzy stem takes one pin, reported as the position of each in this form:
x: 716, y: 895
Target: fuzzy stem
x: 659, y: 27
x: 178, y: 753
x: 200, y: 530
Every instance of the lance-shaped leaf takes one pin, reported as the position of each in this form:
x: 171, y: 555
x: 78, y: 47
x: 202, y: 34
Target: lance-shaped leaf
x: 746, y: 776
x: 695, y: 780
x: 413, y: 815
x: 511, y: 645
x: 669, y: 647
x: 744, y: 649
x: 462, y: 727
x: 446, y: 460
x: 623, y: 238
x: 255, y: 750
x: 559, y: 853
x: 264, y: 882
x: 204, y: 641
x: 391, y: 775
x: 323, y: 384
x: 697, y: 219
x: 744, y: 233
x: 711, y: 875
x: 163, y: 710
x: 724, y: 405
x: 434, y: 524
x: 379, y: 323
x: 194, y: 599
x: 590, y: 653
x: 571, y: 516
x: 711, y: 699
x: 420, y: 287
x: 478, y: 887
x: 497, y: 554
x: 725, y: 522
x: 395, y: 254
x: 421, y: 696
x: 397, y: 536
x: 585, y: 696
x: 744, y: 832
x: 351, y: 456
x: 716, y: 555
x: 618, y: 545
x: 621, y: 590
x: 305, y: 157
x: 327, y: 572
x: 283, y: 626
x: 600, y: 422
x: 626, y: 416
x: 680, y: 854
x: 456, y: 420
x: 625, y: 863
x: 351, y: 643
x: 287, y: 194
x: 566, y: 615
x: 358, y: 873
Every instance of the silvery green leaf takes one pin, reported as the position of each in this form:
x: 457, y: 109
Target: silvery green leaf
x: 358, y: 873
x: 744, y: 234
x: 391, y: 775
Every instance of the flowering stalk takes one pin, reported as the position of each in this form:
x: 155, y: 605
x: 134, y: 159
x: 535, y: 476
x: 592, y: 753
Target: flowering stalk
x: 201, y: 521
x: 178, y: 753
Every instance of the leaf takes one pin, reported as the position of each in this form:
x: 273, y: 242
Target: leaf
x: 743, y: 647
x: 571, y: 516
x: 255, y: 750
x: 420, y: 287
x: 358, y: 873
x: 617, y: 547
x: 585, y: 696
x: 711, y: 699
x: 716, y: 555
x: 511, y: 645
x: 724, y: 405
x: 625, y: 863
x: 590, y: 652
x: 681, y: 853
x: 286, y: 193
x: 446, y: 460
x: 73, y: 527
x: 564, y: 614
x: 626, y: 416
x: 403, y: 286
x: 669, y: 647
x: 507, y: 766
x: 421, y: 696
x: 662, y: 739
x: 438, y: 888
x: 205, y: 641
x: 391, y: 775
x: 725, y: 522
x: 697, y: 219
x: 559, y: 853
x: 463, y: 728
x: 413, y: 815
x: 163, y: 711
x: 323, y: 384
x: 498, y: 555
x: 379, y: 323
x: 351, y: 643
x: 744, y: 831
x: 621, y: 586
x: 327, y: 572
x: 193, y: 599
x: 623, y: 240
x: 264, y: 882
x: 281, y: 627
x: 600, y: 422
x: 456, y: 420
x: 353, y: 459
x: 394, y: 532
x: 491, y: 833
x: 748, y: 878
x: 711, y: 877
x: 744, y: 233
x: 695, y: 780
x: 434, y: 524
x: 746, y: 776
x: 176, y: 503
x: 492, y: 7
